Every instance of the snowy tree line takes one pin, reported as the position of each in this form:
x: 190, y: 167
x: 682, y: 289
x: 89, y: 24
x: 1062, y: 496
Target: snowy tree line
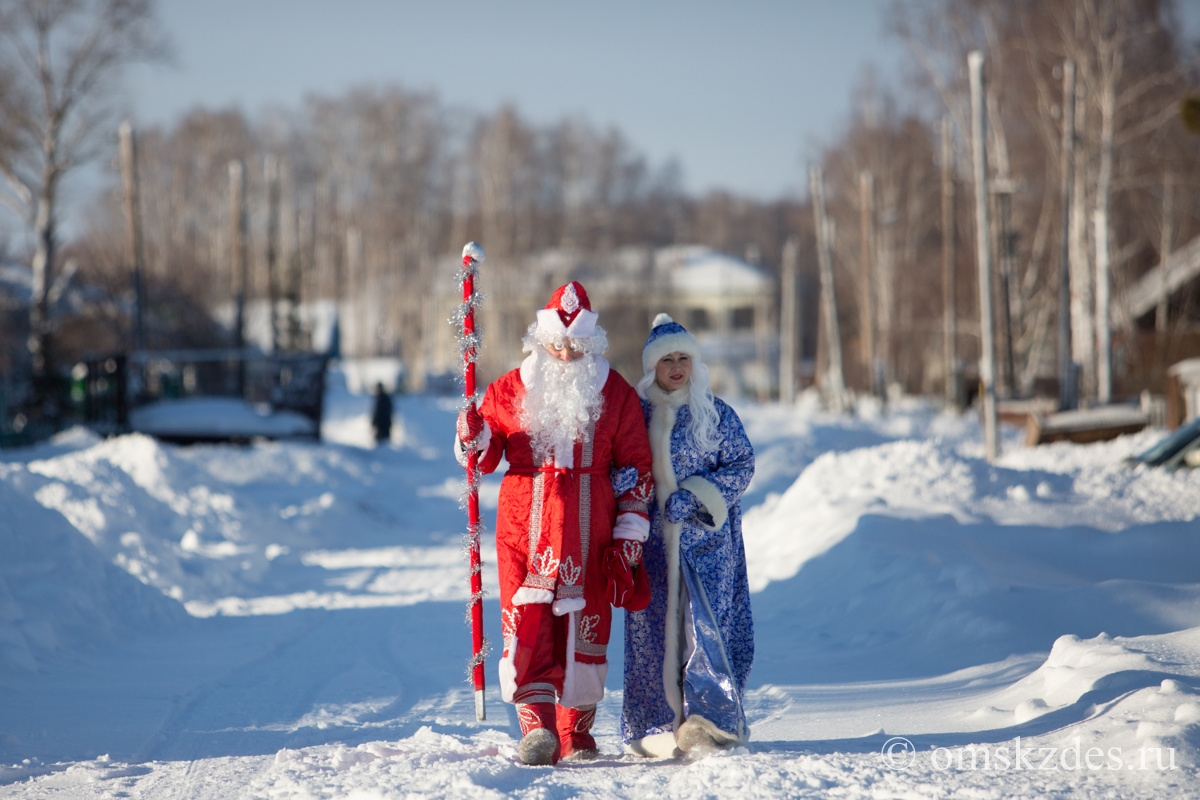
x: 376, y: 188
x: 365, y: 195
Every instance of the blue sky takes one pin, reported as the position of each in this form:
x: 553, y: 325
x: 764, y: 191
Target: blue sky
x: 742, y: 93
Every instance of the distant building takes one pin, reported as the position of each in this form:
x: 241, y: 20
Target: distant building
x: 729, y: 305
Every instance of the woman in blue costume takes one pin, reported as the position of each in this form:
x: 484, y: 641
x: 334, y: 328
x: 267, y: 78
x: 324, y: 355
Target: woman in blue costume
x: 688, y: 654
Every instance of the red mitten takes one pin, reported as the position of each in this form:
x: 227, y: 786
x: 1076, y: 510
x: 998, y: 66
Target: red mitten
x: 470, y: 424
x: 628, y: 586
x: 640, y: 598
x: 631, y: 550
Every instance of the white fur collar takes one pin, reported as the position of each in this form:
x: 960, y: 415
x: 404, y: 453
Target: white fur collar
x: 661, y: 397
x: 662, y: 422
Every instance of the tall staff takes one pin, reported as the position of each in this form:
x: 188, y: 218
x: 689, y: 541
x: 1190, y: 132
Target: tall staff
x: 472, y: 257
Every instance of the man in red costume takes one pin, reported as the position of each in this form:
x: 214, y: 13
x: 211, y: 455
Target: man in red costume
x: 572, y: 516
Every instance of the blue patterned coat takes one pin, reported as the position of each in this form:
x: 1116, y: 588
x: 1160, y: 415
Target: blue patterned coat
x: 710, y: 581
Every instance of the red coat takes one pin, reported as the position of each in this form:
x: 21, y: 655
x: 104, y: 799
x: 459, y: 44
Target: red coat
x: 554, y: 524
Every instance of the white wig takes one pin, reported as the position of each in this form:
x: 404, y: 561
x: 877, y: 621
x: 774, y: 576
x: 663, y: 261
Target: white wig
x: 703, y: 425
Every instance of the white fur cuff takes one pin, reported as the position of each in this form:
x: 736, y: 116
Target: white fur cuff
x: 481, y: 445
x: 632, y: 526
x: 708, y: 494
x: 563, y: 605
x: 527, y: 596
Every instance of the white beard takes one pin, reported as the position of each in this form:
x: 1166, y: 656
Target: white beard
x: 561, y: 399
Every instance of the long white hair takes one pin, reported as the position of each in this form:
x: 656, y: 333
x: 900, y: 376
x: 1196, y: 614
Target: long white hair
x: 702, y: 427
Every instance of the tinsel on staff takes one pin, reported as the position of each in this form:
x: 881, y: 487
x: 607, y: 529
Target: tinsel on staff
x: 469, y: 344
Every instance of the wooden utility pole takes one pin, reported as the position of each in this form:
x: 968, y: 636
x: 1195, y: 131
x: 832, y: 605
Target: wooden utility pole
x: 306, y: 274
x: 237, y: 248
x: 836, y: 382
x: 359, y: 338
x: 290, y: 256
x: 238, y: 265
x: 1103, y: 311
x: 1103, y: 239
x: 271, y: 176
x: 1003, y: 190
x: 789, y: 328
x: 1164, y: 252
x: 133, y: 231
x: 1068, y: 387
x: 1083, y: 277
x: 983, y: 251
x: 949, y: 273
x: 867, y: 253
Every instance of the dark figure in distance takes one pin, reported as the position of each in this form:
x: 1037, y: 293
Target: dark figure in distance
x: 381, y: 416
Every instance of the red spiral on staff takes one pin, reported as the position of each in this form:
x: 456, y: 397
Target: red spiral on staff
x: 472, y: 257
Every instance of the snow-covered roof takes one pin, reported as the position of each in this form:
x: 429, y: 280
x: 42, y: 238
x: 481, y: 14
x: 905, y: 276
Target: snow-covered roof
x: 217, y: 417
x: 685, y: 269
x: 695, y: 269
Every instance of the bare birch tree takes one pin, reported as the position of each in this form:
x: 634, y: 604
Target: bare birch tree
x: 63, y: 58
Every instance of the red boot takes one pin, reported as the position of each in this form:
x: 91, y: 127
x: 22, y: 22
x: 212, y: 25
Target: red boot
x: 539, y: 745
x: 575, y: 733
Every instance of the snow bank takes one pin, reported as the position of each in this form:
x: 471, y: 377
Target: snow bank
x: 1058, y: 485
x: 1143, y: 683
x: 221, y: 529
x: 58, y: 593
x: 151, y: 512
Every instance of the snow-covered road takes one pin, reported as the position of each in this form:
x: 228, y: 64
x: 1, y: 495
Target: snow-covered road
x: 287, y: 620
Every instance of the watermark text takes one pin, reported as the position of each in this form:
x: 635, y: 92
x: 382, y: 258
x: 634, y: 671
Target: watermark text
x: 900, y: 753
